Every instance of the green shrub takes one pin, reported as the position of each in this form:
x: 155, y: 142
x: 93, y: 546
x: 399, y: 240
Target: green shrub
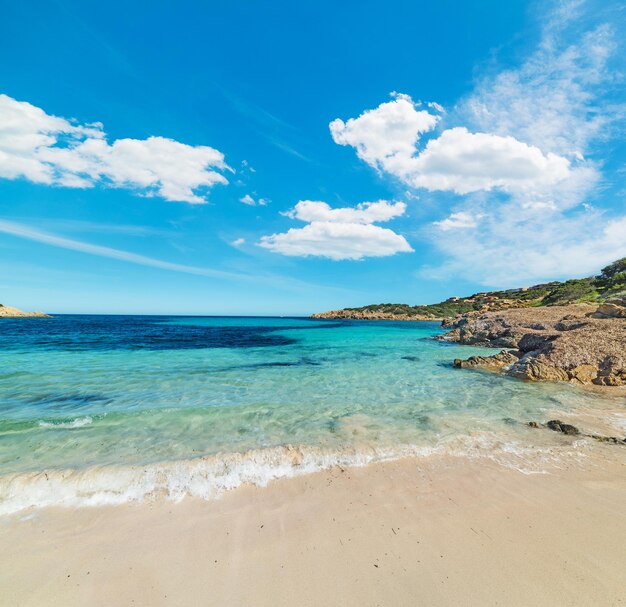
x: 611, y: 280
x: 613, y: 277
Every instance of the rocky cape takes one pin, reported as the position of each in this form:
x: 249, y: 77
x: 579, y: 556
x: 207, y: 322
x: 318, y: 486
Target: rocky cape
x: 362, y: 314
x: 581, y: 343
x: 10, y: 312
x: 594, y: 290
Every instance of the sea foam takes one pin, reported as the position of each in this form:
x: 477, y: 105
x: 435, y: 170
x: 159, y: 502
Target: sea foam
x: 208, y: 477
x: 79, y: 422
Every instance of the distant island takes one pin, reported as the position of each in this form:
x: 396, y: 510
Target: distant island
x: 10, y: 312
x: 559, y: 331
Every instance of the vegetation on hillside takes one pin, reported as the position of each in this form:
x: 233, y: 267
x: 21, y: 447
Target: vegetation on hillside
x: 611, y: 280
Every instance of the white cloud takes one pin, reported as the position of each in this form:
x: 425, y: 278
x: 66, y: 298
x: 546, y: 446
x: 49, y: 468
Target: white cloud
x: 508, y: 252
x: 344, y: 233
x: 238, y: 242
x: 337, y: 241
x: 521, y: 153
x: 385, y: 136
x: 553, y: 101
x: 539, y: 205
x: 458, y: 221
x: 458, y: 160
x: 464, y: 162
x: 51, y: 150
x: 436, y: 106
x: 250, y: 201
x: 365, y: 212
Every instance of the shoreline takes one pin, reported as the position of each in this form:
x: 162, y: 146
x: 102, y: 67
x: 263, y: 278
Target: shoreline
x: 528, y: 444
x: 535, y: 447
x: 403, y: 532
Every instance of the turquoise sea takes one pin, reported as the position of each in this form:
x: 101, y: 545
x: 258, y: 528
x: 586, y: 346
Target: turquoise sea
x: 109, y: 409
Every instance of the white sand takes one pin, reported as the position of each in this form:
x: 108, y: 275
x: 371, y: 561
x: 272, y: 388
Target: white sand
x: 411, y: 532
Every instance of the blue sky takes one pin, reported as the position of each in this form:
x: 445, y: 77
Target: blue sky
x: 286, y: 158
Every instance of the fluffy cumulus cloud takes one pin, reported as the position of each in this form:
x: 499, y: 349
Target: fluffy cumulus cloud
x: 51, y: 150
x: 364, y: 213
x: 518, y: 154
x: 557, y: 102
x: 388, y: 137
x: 465, y: 162
x: 343, y: 233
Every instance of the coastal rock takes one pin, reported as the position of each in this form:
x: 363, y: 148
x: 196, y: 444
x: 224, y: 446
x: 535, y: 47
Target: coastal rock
x: 611, y: 379
x: 495, y: 362
x: 556, y: 343
x: 584, y: 374
x: 453, y: 335
x: 558, y: 426
x: 535, y: 370
x: 348, y: 314
x: 614, y: 440
x: 448, y: 323
x: 615, y: 307
x: 10, y: 312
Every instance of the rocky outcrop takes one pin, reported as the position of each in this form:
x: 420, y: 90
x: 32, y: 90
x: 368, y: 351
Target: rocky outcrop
x: 347, y: 314
x: 577, y: 343
x: 10, y: 312
x: 535, y: 370
x: 612, y: 308
x: 496, y: 362
x: 593, y: 288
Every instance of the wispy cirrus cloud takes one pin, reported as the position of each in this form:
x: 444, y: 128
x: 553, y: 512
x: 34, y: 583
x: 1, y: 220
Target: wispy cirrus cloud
x: 341, y: 233
x: 287, y: 283
x: 458, y: 221
x: 51, y: 150
x: 558, y: 100
x: 24, y: 231
x: 276, y: 131
x: 81, y: 226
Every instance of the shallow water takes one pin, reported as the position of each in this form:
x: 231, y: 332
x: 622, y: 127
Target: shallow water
x: 114, y: 408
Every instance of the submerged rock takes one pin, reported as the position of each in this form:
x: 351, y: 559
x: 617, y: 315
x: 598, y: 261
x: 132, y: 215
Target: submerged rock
x: 558, y: 426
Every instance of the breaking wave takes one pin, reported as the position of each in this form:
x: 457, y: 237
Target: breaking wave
x: 79, y: 422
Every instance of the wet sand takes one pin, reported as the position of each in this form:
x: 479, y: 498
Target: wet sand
x: 436, y: 531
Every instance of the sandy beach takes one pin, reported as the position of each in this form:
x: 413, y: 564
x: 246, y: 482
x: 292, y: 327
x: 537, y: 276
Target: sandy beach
x: 435, y: 531
x: 333, y: 304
